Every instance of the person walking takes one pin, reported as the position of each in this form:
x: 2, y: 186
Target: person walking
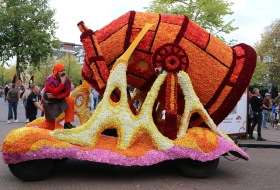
x: 257, y: 105
x: 12, y: 97
x: 91, y: 101
x: 42, y: 96
x: 1, y: 91
x: 266, y: 108
x: 24, y: 100
x: 275, y: 115
x: 33, y: 104
x: 95, y: 95
x: 6, y: 89
x: 277, y: 99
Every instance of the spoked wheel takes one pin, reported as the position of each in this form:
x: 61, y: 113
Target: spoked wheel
x: 32, y: 170
x: 197, y: 169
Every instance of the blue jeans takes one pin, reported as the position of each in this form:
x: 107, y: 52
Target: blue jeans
x: 265, y: 116
x: 12, y: 106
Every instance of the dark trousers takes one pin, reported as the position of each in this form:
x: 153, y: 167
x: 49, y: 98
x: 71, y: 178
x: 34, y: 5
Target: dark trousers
x: 31, y: 116
x: 257, y: 120
x: 95, y: 102
x: 12, y: 107
x: 25, y: 107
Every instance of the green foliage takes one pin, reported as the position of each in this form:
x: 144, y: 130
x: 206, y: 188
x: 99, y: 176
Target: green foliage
x: 42, y: 72
x: 27, y: 31
x: 72, y: 68
x: 6, y: 74
x: 260, y: 76
x: 268, y: 50
x: 207, y: 13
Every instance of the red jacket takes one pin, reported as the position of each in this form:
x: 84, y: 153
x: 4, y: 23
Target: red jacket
x: 58, y: 89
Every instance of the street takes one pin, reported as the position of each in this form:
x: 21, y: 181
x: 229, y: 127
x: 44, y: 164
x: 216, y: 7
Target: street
x: 260, y: 172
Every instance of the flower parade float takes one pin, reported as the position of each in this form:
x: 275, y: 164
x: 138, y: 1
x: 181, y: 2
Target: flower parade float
x: 175, y: 66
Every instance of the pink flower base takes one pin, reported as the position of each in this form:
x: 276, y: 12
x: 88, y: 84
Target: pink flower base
x: 105, y: 156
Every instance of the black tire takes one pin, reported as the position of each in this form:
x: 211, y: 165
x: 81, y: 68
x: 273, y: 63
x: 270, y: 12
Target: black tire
x: 197, y: 169
x: 32, y: 170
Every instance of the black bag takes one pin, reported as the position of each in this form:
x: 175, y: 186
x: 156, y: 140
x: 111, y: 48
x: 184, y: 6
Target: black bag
x: 54, y: 107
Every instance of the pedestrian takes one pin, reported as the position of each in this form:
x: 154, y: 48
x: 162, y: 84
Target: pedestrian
x: 39, y: 94
x: 91, y: 101
x: 12, y: 98
x: 249, y: 116
x: 266, y: 109
x: 56, y: 98
x: 33, y: 103
x: 277, y: 99
x: 42, y: 93
x: 257, y: 105
x: 275, y: 115
x: 95, y: 96
x: 72, y: 88
x: 24, y: 101
x: 1, y: 91
x: 6, y: 89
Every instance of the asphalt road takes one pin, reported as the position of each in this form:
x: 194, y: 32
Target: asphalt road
x: 262, y: 171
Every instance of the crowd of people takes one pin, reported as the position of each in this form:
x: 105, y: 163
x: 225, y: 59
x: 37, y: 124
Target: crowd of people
x: 13, y: 94
x: 261, y: 112
x: 53, y: 99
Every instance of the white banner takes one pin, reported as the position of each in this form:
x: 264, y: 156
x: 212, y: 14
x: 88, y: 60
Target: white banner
x: 236, y: 121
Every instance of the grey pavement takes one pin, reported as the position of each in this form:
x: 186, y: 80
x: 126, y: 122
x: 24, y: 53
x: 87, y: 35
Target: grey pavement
x: 262, y: 171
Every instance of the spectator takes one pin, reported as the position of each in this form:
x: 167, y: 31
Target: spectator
x: 95, y: 95
x: 277, y: 99
x: 72, y: 88
x: 12, y: 97
x: 266, y: 108
x: 1, y: 91
x: 275, y: 115
x: 91, y: 101
x: 24, y: 100
x: 42, y: 92
x: 32, y: 103
x: 257, y: 105
x: 6, y: 89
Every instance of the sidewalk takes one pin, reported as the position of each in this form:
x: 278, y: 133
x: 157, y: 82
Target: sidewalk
x: 271, y: 135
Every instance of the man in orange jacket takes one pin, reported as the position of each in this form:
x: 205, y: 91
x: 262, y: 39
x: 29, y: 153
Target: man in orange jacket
x: 56, y: 98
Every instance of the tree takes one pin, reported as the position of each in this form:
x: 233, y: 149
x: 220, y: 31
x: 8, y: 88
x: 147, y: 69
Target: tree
x: 268, y: 49
x: 72, y: 68
x: 27, y: 32
x: 260, y: 76
x: 7, y: 74
x: 208, y: 14
x: 42, y: 72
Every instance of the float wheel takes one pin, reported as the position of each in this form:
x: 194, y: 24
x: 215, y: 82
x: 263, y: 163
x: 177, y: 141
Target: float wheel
x: 32, y: 170
x: 197, y: 169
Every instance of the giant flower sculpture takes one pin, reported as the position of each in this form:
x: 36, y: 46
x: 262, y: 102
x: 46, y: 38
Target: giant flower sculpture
x: 178, y: 66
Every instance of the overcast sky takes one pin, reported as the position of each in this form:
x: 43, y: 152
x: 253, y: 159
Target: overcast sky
x: 251, y: 16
